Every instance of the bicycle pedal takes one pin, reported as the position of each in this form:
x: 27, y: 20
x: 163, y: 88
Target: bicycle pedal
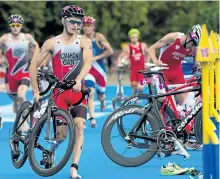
x: 43, y: 162
x: 48, y: 165
x: 161, y: 155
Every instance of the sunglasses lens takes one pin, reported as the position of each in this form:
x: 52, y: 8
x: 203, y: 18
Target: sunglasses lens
x: 15, y: 25
x: 75, y: 22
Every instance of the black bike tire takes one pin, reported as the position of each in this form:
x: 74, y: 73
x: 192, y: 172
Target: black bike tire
x: 121, y: 160
x: 167, y: 110
x: 51, y: 171
x: 138, y: 96
x: 198, y: 127
x: 24, y: 105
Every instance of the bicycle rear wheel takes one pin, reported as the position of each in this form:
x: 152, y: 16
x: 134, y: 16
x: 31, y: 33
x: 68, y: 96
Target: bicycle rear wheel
x: 143, y: 99
x: 63, y: 133
x: 198, y: 127
x: 19, y: 137
x: 129, y: 156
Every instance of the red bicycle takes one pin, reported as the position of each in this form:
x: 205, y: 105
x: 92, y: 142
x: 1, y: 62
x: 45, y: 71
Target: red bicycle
x: 167, y: 106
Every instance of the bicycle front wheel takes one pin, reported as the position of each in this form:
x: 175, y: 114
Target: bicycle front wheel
x: 19, y: 138
x: 49, y: 153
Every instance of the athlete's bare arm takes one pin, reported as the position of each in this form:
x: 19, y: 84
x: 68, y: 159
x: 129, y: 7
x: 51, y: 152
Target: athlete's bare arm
x: 86, y: 45
x: 147, y: 56
x: 2, y: 44
x: 46, y: 61
x: 2, y: 58
x: 40, y: 56
x: 32, y: 44
x: 105, y: 45
x: 166, y: 40
x: 123, y: 55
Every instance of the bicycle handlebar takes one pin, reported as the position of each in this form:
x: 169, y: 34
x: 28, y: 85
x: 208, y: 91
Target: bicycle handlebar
x: 65, y: 84
x: 151, y: 65
x: 156, y: 68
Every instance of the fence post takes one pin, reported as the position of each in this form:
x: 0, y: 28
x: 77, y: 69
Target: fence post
x: 206, y: 56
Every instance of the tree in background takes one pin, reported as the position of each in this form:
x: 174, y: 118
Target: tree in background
x: 116, y: 18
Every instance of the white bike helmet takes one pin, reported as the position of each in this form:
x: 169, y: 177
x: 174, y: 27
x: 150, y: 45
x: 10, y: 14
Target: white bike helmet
x: 195, y: 33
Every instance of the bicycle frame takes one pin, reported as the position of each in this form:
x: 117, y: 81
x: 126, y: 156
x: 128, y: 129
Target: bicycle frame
x: 153, y: 106
x: 169, y: 99
x: 30, y: 111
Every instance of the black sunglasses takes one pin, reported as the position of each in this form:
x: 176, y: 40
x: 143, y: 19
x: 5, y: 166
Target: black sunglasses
x: 71, y: 21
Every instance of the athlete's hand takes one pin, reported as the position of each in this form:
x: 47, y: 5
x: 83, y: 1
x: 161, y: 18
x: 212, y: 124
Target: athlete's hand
x: 159, y: 63
x: 36, y: 96
x: 78, y: 86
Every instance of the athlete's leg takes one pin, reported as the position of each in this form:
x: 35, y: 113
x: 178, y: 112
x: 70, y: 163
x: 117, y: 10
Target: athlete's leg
x: 133, y: 81
x: 101, y: 87
x: 134, y: 87
x: 91, y: 108
x: 79, y: 116
x: 9, y: 92
x: 177, y: 77
x: 13, y: 96
x: 90, y: 83
x: 139, y: 86
x: 7, y: 84
x: 13, y: 89
x: 101, y: 98
x: 7, y: 89
x: 22, y: 90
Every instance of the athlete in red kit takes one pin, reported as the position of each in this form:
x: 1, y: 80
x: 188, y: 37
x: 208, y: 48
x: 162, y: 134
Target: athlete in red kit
x: 71, y: 60
x: 137, y: 54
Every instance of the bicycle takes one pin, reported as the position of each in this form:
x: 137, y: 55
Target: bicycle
x: 161, y: 140
x: 50, y: 119
x: 167, y: 106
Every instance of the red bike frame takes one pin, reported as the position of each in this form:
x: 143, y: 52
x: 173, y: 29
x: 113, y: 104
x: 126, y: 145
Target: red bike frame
x: 168, y: 100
